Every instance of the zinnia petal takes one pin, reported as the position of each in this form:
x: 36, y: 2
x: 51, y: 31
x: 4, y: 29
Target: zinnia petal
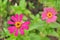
x: 17, y: 16
x: 25, y: 25
x: 22, y: 31
x: 16, y: 33
x: 46, y: 9
x: 53, y: 19
x: 10, y: 22
x: 44, y: 16
x: 13, y: 18
x: 11, y: 29
x: 52, y: 10
x: 21, y: 17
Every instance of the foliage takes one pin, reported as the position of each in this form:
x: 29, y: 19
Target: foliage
x: 43, y: 29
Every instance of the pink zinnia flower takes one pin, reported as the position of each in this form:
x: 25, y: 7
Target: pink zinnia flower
x: 17, y: 24
x: 49, y: 14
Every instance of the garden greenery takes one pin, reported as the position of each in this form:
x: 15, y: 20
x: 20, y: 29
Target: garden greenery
x: 39, y: 27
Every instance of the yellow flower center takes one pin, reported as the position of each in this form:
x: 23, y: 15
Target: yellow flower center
x: 49, y: 14
x: 18, y: 24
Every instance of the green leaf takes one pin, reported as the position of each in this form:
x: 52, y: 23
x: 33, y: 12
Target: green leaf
x: 58, y: 31
x: 34, y: 37
x: 45, y: 38
x: 27, y: 11
x: 37, y: 16
x: 12, y: 37
x: 22, y: 4
x: 51, y: 31
x: 24, y: 18
x: 6, y: 31
x: 54, y: 25
x: 32, y: 16
x: 16, y: 9
x: 35, y: 24
x: 5, y: 24
x: 5, y: 1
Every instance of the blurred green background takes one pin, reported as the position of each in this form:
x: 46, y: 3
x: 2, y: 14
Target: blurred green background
x: 32, y: 9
